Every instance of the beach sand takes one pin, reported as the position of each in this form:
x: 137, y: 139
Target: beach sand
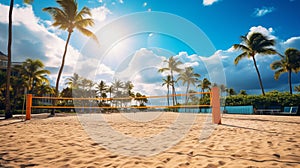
x: 63, y: 141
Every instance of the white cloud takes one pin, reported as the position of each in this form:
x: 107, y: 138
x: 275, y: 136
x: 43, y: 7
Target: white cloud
x: 293, y: 42
x: 121, y: 1
x: 209, y: 2
x: 258, y: 12
x: 265, y: 31
x: 99, y: 14
x: 145, y: 4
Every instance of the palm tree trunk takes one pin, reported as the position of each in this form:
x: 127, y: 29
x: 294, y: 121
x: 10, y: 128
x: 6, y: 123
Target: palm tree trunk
x: 8, y: 112
x: 173, y: 88
x: 259, y: 77
x: 60, y: 70
x: 186, y: 96
x: 290, y: 81
x: 168, y: 95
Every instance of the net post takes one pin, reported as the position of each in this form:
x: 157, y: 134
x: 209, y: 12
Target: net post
x: 28, y: 106
x: 216, y: 114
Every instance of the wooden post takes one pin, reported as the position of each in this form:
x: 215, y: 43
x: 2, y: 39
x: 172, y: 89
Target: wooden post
x: 28, y: 106
x: 216, y: 114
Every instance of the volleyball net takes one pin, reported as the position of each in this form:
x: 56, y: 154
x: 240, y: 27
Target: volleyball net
x: 190, y: 102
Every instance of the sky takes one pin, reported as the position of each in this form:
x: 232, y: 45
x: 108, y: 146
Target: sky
x: 135, y: 37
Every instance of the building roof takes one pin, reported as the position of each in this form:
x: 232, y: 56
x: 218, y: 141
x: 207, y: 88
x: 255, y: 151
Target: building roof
x: 3, y: 56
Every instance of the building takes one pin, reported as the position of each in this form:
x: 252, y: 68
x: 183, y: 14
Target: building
x: 3, y: 61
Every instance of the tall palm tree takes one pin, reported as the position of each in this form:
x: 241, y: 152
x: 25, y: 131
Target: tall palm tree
x: 168, y: 82
x: 68, y: 18
x: 188, y: 76
x: 8, y: 112
x: 288, y: 63
x: 255, y: 43
x: 173, y: 66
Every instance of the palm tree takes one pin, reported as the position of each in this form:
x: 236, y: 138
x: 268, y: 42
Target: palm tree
x: 255, y: 43
x: 204, y: 84
x: 188, y: 76
x: 288, y: 63
x: 34, y: 73
x: 74, y: 81
x: 68, y: 18
x: 173, y: 66
x: 8, y: 112
x: 101, y: 89
x: 117, y: 85
x: 231, y: 91
x: 243, y: 92
x: 168, y: 81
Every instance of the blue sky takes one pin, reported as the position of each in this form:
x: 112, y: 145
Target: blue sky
x: 135, y: 43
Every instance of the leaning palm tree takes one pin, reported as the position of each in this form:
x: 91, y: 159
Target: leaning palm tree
x: 173, y: 66
x: 253, y: 44
x: 188, y: 77
x: 8, y: 112
x: 68, y: 18
x: 168, y: 82
x: 288, y: 63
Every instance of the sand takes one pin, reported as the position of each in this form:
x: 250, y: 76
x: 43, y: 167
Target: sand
x: 63, y: 141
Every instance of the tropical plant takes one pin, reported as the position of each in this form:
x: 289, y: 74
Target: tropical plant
x: 168, y: 82
x: 188, y: 77
x: 33, y: 72
x: 243, y: 92
x: 101, y: 89
x: 253, y: 44
x: 204, y: 84
x: 173, y: 66
x: 68, y: 18
x: 289, y: 63
x: 74, y: 81
x: 8, y: 112
x: 231, y: 91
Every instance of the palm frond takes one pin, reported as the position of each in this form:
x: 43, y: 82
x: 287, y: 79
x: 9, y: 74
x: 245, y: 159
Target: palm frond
x: 278, y: 73
x: 84, y: 11
x: 275, y: 65
x: 85, y: 22
x: 239, y: 57
x: 241, y: 47
x: 87, y: 33
x: 69, y: 7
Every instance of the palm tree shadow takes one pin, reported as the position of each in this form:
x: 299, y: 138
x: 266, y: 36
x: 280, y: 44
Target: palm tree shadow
x: 10, y: 123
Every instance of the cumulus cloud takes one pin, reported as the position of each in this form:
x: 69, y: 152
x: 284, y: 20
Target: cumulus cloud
x: 100, y: 13
x: 258, y: 12
x: 209, y: 2
x: 265, y: 31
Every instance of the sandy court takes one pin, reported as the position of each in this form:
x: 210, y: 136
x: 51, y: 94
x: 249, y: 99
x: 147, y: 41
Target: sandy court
x: 64, y: 141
